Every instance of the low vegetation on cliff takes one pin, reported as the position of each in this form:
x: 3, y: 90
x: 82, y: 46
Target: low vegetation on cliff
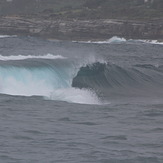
x: 85, y: 9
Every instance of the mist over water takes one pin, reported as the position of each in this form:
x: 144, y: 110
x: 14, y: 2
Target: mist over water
x: 70, y: 102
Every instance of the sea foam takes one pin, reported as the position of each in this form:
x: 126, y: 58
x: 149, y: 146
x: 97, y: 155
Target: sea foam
x: 22, y: 57
x: 118, y: 40
x: 6, y: 36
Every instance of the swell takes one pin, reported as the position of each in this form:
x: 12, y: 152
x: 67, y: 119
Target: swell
x: 107, y: 75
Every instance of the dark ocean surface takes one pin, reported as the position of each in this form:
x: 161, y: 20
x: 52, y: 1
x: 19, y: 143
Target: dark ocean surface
x: 80, y: 102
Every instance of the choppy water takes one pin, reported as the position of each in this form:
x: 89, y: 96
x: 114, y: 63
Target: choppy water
x: 80, y: 102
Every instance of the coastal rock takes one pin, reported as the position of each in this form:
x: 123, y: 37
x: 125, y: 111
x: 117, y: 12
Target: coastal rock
x: 81, y: 29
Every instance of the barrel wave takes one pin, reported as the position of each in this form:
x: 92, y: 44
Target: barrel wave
x: 67, y: 80
x: 50, y: 78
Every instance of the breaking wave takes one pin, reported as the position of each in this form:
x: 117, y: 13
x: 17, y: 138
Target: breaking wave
x: 151, y: 42
x: 65, y: 80
x: 48, y: 76
x: 117, y: 40
x: 114, y: 39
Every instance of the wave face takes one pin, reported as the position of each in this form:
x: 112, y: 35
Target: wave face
x: 105, y: 76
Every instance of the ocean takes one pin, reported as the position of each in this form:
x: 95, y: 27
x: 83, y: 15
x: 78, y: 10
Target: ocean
x: 81, y: 102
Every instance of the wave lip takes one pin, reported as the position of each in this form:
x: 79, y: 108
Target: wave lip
x: 22, y: 57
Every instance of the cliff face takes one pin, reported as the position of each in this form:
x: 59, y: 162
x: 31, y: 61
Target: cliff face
x: 81, y: 29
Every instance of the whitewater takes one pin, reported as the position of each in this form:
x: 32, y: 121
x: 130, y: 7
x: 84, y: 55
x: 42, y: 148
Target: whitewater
x: 68, y: 101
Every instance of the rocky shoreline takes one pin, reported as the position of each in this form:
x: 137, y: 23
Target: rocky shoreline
x: 73, y: 29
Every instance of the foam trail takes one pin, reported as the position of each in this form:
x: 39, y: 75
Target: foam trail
x: 74, y: 95
x: 151, y: 42
x: 22, y: 57
x: 6, y: 36
x: 116, y: 40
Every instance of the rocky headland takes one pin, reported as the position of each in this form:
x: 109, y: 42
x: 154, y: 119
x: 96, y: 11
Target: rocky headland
x: 83, y: 23
x: 81, y: 29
